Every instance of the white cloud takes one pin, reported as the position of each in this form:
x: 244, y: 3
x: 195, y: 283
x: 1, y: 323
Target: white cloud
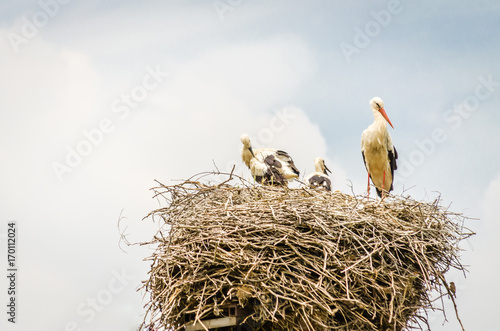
x: 256, y: 73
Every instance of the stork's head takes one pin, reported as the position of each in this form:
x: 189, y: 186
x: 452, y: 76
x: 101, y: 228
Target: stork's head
x: 378, y: 106
x: 245, y: 139
x: 320, y: 165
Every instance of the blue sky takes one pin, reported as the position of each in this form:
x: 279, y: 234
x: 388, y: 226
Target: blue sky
x: 99, y: 98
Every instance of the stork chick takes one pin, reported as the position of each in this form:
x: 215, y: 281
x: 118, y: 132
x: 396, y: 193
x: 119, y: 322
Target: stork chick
x: 268, y: 165
x: 319, y: 178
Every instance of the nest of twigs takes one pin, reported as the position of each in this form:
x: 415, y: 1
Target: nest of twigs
x: 299, y: 259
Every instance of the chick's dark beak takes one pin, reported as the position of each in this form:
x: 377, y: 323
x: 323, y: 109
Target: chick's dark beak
x: 251, y: 151
x: 327, y: 171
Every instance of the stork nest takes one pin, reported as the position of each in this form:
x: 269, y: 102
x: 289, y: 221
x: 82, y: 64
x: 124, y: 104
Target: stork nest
x: 299, y: 259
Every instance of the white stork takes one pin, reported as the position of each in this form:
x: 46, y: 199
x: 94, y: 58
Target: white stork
x: 319, y: 178
x: 379, y: 154
x: 268, y: 165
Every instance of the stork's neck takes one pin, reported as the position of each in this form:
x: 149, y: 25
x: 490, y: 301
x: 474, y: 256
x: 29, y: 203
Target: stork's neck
x: 379, y: 120
x: 318, y: 167
x: 246, y: 155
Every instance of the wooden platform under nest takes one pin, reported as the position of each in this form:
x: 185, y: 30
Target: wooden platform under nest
x: 298, y: 259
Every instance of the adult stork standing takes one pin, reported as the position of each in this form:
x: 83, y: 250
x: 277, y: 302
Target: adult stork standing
x: 319, y: 178
x: 379, y: 154
x: 268, y: 165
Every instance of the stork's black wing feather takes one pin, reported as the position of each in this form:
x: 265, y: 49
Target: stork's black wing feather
x: 271, y: 161
x: 392, y: 159
x: 364, y: 160
x: 289, y: 160
x: 272, y: 176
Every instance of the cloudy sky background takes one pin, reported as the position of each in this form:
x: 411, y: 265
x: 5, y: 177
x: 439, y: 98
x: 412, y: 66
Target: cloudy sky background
x: 293, y: 74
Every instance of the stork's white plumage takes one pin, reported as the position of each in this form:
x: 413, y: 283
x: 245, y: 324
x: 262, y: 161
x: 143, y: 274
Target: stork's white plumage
x: 319, y: 178
x: 268, y: 165
x: 379, y: 154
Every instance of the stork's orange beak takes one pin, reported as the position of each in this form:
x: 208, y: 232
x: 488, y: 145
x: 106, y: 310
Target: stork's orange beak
x: 382, y: 111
